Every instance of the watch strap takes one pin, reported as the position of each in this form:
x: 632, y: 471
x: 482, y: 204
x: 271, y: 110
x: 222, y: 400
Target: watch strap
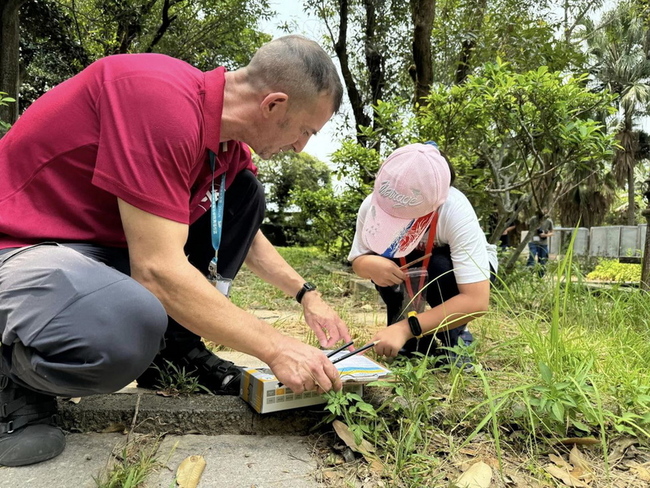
x: 305, y: 288
x: 414, y: 324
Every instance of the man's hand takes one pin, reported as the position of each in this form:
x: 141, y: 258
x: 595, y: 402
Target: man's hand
x: 303, y: 368
x: 392, y: 339
x: 323, y: 320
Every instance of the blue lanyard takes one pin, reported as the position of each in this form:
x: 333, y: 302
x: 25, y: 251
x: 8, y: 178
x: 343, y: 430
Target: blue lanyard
x: 216, y: 207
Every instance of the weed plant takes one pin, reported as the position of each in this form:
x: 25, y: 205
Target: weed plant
x: 132, y: 464
x: 612, y: 270
x: 175, y: 380
x: 556, y: 359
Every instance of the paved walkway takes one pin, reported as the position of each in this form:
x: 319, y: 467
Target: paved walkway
x: 232, y: 461
x: 241, y: 448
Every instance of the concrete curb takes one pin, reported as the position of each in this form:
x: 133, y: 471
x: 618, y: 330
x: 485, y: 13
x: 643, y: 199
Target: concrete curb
x: 196, y: 414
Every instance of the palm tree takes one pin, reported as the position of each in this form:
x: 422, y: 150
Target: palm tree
x: 618, y: 47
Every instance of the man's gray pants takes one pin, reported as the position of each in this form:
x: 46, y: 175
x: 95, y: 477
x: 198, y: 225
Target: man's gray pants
x: 73, y: 326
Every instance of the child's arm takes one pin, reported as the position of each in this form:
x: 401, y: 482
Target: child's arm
x: 471, y: 302
x: 382, y: 271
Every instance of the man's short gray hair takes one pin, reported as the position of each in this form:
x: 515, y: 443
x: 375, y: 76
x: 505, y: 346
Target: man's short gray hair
x: 298, y: 67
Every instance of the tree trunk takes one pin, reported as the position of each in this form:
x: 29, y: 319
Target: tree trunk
x: 533, y: 224
x: 374, y: 61
x: 165, y: 22
x: 130, y: 24
x: 423, y: 14
x: 9, y: 57
x: 631, y: 204
x: 341, y: 49
x: 464, y: 66
x: 645, y: 264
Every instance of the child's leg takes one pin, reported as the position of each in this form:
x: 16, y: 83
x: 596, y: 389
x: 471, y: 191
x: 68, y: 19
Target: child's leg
x: 442, y: 287
x: 393, y: 298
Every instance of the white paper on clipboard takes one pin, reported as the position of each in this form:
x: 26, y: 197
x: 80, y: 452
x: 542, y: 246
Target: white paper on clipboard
x: 359, y: 368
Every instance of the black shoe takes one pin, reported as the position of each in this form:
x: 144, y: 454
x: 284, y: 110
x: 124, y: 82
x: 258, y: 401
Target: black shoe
x: 27, y: 431
x: 217, y: 375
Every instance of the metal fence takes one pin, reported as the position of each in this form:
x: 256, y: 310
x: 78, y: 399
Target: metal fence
x: 615, y: 241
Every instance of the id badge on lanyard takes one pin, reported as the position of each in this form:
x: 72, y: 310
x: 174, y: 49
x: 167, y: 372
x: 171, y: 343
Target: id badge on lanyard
x: 216, y: 224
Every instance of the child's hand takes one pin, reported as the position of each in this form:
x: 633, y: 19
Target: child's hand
x: 385, y: 272
x: 392, y: 339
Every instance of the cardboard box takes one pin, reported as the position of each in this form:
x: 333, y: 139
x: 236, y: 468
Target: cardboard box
x: 259, y: 388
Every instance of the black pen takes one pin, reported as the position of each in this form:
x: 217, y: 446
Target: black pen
x: 352, y: 353
x: 331, y: 353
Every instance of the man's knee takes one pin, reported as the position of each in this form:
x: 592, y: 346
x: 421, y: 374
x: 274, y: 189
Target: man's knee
x: 80, y: 327
x: 97, y: 344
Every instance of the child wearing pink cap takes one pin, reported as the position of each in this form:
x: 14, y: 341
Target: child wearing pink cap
x: 414, y: 210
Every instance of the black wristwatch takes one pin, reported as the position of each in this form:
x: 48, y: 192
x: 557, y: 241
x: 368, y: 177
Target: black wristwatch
x: 305, y: 288
x: 414, y: 324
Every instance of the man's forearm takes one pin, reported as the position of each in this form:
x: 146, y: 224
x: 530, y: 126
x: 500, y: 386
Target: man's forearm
x: 196, y: 304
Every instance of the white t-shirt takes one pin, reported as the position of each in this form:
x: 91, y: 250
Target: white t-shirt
x: 457, y: 227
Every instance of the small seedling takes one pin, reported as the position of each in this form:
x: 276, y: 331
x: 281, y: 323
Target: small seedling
x: 175, y: 381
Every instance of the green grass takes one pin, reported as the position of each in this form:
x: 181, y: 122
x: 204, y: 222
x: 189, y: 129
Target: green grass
x: 176, y: 381
x: 249, y: 292
x: 555, y: 360
x: 558, y: 360
x: 131, y: 464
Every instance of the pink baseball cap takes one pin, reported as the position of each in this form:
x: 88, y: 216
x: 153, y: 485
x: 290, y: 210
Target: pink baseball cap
x: 410, y: 186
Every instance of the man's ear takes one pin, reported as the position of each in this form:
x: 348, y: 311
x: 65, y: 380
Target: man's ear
x: 275, y: 104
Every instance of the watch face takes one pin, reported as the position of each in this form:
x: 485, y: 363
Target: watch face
x: 305, y: 288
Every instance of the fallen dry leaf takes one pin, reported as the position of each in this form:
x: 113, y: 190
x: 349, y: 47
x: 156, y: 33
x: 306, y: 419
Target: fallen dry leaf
x: 579, y: 461
x: 492, y: 462
x: 565, y: 476
x: 75, y: 400
x: 347, y: 436
x: 114, y: 427
x: 513, y: 479
x: 479, y: 475
x: 189, y: 472
x: 469, y: 451
x: 365, y: 448
x: 560, y: 461
x: 329, y: 475
x: 584, y: 475
x: 376, y: 466
x: 641, y: 472
x: 620, y: 446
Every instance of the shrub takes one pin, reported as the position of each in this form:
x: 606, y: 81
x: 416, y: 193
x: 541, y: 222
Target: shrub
x: 612, y: 270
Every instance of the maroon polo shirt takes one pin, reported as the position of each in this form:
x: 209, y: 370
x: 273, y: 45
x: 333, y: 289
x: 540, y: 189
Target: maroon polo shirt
x: 133, y: 126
